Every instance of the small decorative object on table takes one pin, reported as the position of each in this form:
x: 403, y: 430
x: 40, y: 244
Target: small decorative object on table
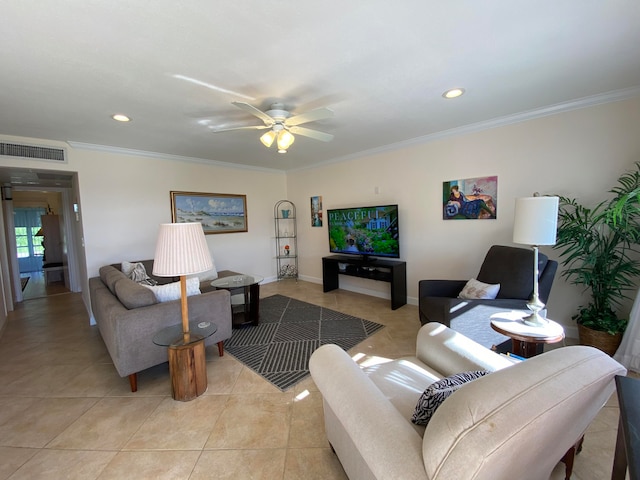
x: 287, y: 249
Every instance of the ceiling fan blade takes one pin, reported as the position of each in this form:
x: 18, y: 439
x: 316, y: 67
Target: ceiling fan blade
x: 310, y: 116
x: 251, y: 127
x: 268, y: 121
x: 315, y: 134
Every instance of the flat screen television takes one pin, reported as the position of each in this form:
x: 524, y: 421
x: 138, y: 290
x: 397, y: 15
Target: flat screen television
x: 365, y: 231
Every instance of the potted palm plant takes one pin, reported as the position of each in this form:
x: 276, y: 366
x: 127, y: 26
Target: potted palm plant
x: 599, y: 250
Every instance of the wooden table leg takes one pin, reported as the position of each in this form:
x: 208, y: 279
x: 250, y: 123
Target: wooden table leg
x: 188, y: 371
x: 570, y: 456
x: 526, y: 349
x: 619, y: 471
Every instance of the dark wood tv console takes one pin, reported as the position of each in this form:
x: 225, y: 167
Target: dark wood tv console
x: 392, y: 271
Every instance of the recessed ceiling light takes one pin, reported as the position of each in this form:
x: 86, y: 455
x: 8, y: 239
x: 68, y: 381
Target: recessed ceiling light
x: 120, y: 117
x: 453, y: 93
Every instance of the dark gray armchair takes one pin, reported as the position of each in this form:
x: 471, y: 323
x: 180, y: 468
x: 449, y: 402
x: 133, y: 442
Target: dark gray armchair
x: 511, y: 267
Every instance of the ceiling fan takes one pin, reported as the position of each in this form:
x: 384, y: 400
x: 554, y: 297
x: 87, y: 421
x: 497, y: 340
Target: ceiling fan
x: 282, y: 124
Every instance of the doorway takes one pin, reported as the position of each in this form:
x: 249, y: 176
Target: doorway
x: 41, y: 245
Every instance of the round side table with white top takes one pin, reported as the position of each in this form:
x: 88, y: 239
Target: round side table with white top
x: 527, y: 341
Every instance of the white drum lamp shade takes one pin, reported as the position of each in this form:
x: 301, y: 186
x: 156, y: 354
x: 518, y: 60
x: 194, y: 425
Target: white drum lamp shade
x: 536, y: 220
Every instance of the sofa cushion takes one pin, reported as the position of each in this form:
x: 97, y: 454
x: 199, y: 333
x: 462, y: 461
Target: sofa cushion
x: 402, y: 381
x: 133, y: 295
x: 171, y: 291
x: 475, y: 290
x: 438, y: 392
x: 109, y: 276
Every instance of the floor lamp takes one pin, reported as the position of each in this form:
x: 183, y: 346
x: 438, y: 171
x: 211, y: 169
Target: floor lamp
x: 535, y: 223
x: 181, y: 250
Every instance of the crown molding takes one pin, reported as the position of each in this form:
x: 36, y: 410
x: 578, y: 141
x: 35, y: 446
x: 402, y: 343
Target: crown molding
x: 584, y: 102
x: 164, y: 156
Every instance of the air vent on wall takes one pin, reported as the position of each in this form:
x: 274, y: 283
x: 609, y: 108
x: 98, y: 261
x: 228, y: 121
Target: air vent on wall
x: 36, y: 152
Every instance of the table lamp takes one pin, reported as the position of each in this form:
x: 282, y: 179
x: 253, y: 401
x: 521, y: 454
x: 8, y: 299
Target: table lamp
x: 535, y: 223
x: 181, y: 250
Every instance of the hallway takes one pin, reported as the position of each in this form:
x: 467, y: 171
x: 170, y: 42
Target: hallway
x: 37, y: 288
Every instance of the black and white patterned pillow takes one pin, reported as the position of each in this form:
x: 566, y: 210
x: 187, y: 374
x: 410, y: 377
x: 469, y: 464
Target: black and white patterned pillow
x: 137, y: 273
x: 438, y: 392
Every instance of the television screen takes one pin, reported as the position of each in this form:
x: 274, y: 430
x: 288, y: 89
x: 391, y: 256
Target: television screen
x: 368, y: 231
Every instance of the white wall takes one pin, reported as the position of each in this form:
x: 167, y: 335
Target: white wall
x: 579, y: 153
x: 125, y: 198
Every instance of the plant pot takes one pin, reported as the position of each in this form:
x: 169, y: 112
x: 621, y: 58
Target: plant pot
x: 601, y: 340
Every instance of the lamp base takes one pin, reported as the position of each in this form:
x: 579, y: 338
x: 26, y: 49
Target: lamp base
x: 536, y: 306
x: 535, y: 320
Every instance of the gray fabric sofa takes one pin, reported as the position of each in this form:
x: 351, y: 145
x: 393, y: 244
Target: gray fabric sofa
x: 128, y: 316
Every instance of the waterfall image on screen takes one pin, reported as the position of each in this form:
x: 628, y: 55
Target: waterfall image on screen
x: 368, y: 231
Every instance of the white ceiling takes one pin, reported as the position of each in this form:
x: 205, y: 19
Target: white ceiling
x: 381, y: 66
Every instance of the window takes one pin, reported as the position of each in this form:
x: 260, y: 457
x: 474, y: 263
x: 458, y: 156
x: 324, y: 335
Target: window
x: 28, y: 245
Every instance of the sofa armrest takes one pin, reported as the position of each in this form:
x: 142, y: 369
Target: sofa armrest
x: 365, y: 434
x: 449, y: 352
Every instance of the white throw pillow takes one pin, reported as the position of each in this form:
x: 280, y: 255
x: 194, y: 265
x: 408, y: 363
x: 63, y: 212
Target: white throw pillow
x: 475, y: 290
x: 171, y: 291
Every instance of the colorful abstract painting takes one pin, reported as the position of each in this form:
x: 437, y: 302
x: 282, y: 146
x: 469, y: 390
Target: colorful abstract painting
x: 470, y: 199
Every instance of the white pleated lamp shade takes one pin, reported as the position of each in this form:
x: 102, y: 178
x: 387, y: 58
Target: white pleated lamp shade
x: 536, y: 220
x: 181, y: 250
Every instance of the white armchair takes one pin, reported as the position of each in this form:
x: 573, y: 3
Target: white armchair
x: 522, y: 418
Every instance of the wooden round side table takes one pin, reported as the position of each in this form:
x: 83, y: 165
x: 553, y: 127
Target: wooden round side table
x: 187, y: 364
x: 525, y: 339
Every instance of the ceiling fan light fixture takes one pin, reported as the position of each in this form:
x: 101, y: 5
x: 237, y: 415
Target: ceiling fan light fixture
x: 285, y: 140
x: 268, y: 138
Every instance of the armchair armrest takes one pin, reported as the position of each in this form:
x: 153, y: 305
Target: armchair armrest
x: 440, y: 288
x: 365, y: 433
x: 450, y: 352
x: 435, y: 297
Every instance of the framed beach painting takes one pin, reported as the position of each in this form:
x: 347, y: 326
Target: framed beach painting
x: 470, y: 199
x: 217, y: 212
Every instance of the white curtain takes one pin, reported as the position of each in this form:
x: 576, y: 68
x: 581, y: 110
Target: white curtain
x: 628, y: 353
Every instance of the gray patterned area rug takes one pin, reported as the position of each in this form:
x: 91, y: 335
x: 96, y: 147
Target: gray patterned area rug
x: 290, y: 330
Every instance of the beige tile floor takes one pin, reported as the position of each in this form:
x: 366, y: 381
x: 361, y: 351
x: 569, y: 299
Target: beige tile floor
x: 65, y: 413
